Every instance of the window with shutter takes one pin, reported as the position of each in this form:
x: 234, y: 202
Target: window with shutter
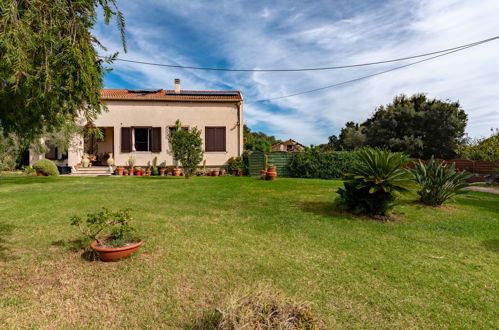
x: 214, y: 139
x: 156, y: 139
x: 126, y: 139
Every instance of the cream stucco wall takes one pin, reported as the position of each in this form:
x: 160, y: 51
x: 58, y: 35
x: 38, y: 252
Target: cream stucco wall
x: 164, y: 114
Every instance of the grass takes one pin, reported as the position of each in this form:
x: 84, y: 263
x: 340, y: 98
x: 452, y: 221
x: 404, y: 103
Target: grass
x: 209, y: 237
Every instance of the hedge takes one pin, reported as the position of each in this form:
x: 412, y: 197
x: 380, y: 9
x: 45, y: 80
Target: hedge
x: 322, y: 165
x: 46, y: 166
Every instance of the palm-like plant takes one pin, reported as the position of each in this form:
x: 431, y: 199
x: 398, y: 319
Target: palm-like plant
x: 373, y: 182
x: 439, y: 182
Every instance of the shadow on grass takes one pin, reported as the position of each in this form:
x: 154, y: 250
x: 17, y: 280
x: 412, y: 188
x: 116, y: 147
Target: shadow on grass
x: 324, y: 209
x: 491, y: 245
x: 78, y: 245
x: 5, y: 230
x: 27, y: 179
x: 487, y: 202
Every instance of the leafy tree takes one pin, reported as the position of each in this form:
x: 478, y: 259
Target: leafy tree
x: 49, y: 66
x: 481, y: 149
x: 186, y: 147
x: 249, y: 135
x: 258, y: 145
x: 418, y: 126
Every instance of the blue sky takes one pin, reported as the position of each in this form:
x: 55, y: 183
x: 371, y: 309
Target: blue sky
x: 290, y: 34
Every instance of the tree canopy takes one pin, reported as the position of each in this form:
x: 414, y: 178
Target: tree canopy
x: 250, y: 135
x: 187, y: 147
x: 50, y: 72
x: 418, y: 126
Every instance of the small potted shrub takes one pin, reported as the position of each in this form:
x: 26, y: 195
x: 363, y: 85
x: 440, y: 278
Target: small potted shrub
x: 110, y: 232
x: 148, y: 169
x: 215, y: 172
x: 131, y: 164
x: 232, y: 166
x: 45, y: 167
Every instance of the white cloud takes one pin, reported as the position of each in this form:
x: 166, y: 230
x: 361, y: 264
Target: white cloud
x: 322, y: 33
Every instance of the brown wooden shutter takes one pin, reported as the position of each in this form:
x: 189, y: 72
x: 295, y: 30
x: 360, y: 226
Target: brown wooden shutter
x: 126, y: 139
x: 215, y: 139
x: 156, y: 139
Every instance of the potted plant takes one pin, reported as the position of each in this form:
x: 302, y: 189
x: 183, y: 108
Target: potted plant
x: 148, y: 169
x: 138, y: 171
x: 125, y: 172
x: 120, y: 170
x: 271, y: 173
x: 215, y: 172
x: 232, y: 165
x: 176, y: 171
x: 162, y: 168
x: 155, y: 166
x: 110, y: 232
x: 131, y: 164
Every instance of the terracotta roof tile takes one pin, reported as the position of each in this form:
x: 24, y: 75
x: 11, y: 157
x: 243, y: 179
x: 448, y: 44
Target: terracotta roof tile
x: 169, y: 95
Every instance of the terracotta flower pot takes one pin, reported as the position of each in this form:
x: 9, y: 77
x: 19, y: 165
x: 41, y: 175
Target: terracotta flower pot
x: 113, y: 254
x: 240, y: 173
x: 162, y: 172
x: 271, y: 173
x: 38, y: 173
x: 215, y: 173
x: 148, y: 173
x: 121, y: 170
x: 233, y: 172
x: 263, y: 172
x: 176, y: 172
x: 130, y: 172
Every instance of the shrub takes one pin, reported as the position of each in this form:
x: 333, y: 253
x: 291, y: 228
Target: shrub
x: 46, y: 166
x: 372, y: 183
x: 261, y: 308
x: 7, y: 163
x: 438, y: 182
x: 186, y: 148
x: 28, y: 170
x: 235, y: 164
x: 258, y: 145
x: 106, y: 224
x: 323, y: 165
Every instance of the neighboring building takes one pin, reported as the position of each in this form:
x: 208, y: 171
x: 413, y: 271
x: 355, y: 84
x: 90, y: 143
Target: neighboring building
x: 138, y: 124
x: 289, y: 146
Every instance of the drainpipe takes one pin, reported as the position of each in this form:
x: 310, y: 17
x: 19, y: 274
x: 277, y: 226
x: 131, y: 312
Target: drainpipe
x: 239, y: 124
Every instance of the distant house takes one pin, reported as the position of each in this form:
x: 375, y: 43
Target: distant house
x: 139, y: 122
x: 289, y: 146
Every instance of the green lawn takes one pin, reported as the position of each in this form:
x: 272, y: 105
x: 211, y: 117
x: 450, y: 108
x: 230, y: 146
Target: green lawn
x: 207, y: 237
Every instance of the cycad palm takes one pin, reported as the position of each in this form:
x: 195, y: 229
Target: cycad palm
x: 373, y: 182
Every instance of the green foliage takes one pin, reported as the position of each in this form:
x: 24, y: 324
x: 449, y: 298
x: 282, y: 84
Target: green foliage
x: 481, y: 149
x: 28, y: 170
x: 235, y: 164
x: 105, y: 223
x: 313, y: 163
x: 417, y: 126
x: 46, y: 166
x: 10, y: 151
x: 258, y: 145
x: 351, y: 137
x: 249, y: 135
x: 186, y: 148
x: 372, y: 183
x: 49, y: 64
x: 439, y: 182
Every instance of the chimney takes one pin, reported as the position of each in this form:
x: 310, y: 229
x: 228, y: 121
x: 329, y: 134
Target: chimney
x: 177, y: 86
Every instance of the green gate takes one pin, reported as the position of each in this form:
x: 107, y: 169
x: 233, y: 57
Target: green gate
x: 255, y: 161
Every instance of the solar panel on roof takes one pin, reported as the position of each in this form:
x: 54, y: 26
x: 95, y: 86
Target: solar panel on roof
x: 204, y: 93
x: 144, y: 90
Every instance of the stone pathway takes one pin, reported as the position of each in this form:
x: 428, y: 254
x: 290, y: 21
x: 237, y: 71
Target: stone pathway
x: 484, y: 189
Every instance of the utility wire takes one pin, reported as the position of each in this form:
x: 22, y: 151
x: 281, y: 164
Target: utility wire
x: 309, y: 69
x: 370, y: 75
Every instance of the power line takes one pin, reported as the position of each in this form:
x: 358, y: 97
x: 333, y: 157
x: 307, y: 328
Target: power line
x: 368, y: 76
x: 310, y: 69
